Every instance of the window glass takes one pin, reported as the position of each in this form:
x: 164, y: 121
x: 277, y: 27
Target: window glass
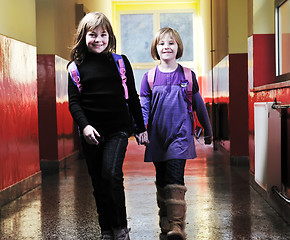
x: 136, y: 37
x: 284, y: 38
x: 183, y: 23
x: 137, y: 32
x: 138, y: 74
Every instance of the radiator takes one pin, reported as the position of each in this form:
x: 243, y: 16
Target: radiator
x: 267, y: 145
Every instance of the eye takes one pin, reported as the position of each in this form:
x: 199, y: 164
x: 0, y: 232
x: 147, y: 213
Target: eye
x: 91, y: 34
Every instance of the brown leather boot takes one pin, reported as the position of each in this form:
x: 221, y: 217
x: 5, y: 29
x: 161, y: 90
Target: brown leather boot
x: 176, y: 208
x: 163, y: 221
x: 175, y: 191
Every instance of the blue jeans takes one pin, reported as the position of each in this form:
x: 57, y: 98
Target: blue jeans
x: 105, y: 163
x: 170, y: 172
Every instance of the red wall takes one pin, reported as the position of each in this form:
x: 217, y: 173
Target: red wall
x: 18, y: 112
x: 65, y: 130
x: 230, y: 92
x: 263, y: 87
x: 56, y: 132
x: 263, y: 59
x: 47, y: 107
x: 238, y: 105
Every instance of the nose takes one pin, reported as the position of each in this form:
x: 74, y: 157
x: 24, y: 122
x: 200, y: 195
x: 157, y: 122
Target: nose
x: 166, y: 45
x: 97, y: 39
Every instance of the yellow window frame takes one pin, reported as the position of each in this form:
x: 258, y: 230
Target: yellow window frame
x: 156, y: 8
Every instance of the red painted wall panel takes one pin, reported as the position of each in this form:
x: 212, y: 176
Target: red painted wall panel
x: 238, y: 104
x: 216, y: 86
x: 221, y: 81
x: 230, y: 92
x: 262, y: 69
x: 204, y: 83
x: 56, y: 130
x: 263, y: 59
x: 47, y: 107
x: 64, y: 119
x: 18, y: 112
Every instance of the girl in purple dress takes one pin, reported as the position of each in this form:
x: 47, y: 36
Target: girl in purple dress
x: 169, y: 124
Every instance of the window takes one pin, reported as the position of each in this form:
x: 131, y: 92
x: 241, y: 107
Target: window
x: 282, y: 40
x: 136, y: 37
x: 137, y: 31
x: 183, y: 23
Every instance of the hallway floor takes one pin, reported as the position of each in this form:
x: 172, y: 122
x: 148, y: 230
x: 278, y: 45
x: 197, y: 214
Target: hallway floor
x: 220, y: 203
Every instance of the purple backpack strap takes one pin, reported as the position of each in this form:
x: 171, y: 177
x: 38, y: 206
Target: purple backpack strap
x: 122, y: 70
x: 74, y: 74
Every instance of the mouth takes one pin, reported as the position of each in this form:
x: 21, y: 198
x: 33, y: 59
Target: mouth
x: 97, y: 45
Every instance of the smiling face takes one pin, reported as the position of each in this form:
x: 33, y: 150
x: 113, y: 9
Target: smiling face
x: 167, y: 47
x: 97, y: 40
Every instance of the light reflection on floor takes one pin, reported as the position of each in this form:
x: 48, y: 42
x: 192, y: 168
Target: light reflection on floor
x: 220, y: 203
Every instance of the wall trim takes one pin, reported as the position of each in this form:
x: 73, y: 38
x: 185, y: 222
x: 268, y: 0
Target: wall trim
x: 272, y: 86
x: 55, y: 166
x: 282, y: 208
x: 240, y: 161
x: 12, y: 192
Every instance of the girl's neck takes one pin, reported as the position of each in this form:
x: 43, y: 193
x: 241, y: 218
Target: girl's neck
x: 169, y: 66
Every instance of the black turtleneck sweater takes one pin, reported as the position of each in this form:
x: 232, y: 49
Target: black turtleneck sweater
x: 101, y: 102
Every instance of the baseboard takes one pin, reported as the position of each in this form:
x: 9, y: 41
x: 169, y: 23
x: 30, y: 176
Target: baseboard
x: 242, y: 161
x: 55, y: 166
x: 239, y: 161
x: 278, y: 204
x: 11, y: 193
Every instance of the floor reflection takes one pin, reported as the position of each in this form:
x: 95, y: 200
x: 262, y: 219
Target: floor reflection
x: 220, y: 203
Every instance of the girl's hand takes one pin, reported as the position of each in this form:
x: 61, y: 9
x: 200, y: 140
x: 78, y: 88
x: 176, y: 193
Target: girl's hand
x: 91, y: 135
x: 142, y: 138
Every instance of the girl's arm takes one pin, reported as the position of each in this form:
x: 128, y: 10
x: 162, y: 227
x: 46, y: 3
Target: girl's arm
x: 201, y: 112
x: 75, y: 105
x: 133, y: 101
x: 202, y: 115
x: 89, y: 133
x: 145, y: 96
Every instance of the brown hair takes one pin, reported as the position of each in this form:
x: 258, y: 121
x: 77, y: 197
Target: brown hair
x: 88, y: 23
x: 174, y: 34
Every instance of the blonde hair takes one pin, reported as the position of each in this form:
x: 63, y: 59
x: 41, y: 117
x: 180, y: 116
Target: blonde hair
x: 174, y: 34
x: 88, y: 23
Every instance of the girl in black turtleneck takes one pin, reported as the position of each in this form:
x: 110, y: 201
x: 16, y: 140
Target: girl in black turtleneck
x: 101, y: 112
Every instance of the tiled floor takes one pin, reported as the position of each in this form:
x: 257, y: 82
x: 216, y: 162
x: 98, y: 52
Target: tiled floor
x: 220, y: 203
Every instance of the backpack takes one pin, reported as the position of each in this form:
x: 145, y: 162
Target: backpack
x: 196, y: 130
x: 75, y: 76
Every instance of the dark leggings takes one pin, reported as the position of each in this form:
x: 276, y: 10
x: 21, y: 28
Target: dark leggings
x: 170, y: 172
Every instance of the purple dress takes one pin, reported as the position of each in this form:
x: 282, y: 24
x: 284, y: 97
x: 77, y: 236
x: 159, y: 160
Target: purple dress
x: 166, y: 115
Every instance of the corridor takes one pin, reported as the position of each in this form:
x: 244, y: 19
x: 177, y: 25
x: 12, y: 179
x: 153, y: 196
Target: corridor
x: 220, y: 203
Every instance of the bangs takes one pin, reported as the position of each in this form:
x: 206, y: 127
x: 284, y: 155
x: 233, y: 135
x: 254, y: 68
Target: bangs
x: 168, y: 31
x: 94, y: 23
